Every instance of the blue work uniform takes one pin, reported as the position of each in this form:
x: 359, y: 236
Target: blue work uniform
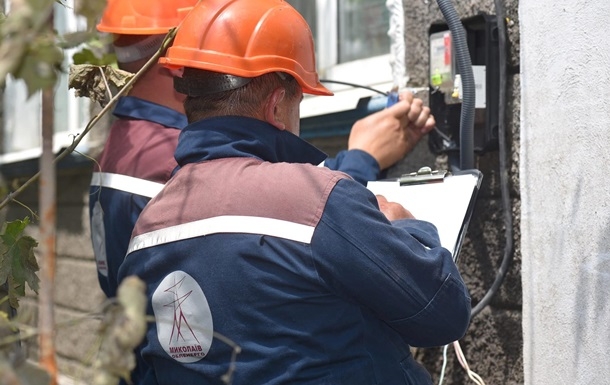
x: 251, y: 245
x: 137, y: 160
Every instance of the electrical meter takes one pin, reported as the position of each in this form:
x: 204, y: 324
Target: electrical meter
x: 446, y: 86
x: 442, y: 65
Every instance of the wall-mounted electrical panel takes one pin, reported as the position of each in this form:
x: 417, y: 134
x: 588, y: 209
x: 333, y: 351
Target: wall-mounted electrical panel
x: 445, y: 84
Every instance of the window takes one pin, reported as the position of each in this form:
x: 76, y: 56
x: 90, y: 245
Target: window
x: 363, y: 29
x: 22, y: 116
x: 352, y: 45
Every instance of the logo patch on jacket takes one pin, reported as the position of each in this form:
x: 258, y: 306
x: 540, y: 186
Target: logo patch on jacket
x: 183, y: 318
x: 98, y: 236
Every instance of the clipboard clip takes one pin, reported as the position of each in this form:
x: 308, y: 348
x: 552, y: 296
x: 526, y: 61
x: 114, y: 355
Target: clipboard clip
x: 423, y: 175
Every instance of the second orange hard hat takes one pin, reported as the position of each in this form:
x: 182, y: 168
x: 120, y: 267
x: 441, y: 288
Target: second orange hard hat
x: 247, y: 38
x: 143, y: 17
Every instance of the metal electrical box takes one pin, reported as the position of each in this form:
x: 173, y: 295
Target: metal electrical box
x: 445, y: 85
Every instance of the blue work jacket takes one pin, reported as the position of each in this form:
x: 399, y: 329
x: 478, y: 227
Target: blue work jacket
x: 251, y: 248
x: 137, y: 160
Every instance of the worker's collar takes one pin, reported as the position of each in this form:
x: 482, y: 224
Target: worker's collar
x: 232, y: 136
x: 130, y: 107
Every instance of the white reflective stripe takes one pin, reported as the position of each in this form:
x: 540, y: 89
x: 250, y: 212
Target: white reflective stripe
x: 126, y: 183
x: 224, y: 224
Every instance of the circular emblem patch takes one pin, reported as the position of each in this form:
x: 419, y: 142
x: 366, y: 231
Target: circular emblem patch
x: 183, y: 318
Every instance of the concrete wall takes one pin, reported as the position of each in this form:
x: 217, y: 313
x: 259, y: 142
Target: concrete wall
x: 565, y: 194
x: 77, y: 293
x: 79, y: 302
x: 493, y: 343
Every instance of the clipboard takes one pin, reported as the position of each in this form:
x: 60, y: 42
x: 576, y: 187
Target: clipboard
x: 442, y: 198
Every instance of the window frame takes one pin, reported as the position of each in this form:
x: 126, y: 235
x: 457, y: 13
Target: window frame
x: 74, y: 114
x: 357, y: 71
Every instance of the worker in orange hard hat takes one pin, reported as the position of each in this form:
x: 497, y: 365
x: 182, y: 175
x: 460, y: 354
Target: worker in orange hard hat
x: 261, y: 267
x: 143, y: 17
x: 138, y: 155
x: 137, y: 158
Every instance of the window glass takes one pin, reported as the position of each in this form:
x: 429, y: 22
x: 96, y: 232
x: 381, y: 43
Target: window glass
x: 22, y: 115
x: 363, y: 29
x: 352, y: 46
x: 71, y: 113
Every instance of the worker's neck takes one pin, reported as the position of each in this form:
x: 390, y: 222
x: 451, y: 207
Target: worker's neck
x: 157, y: 86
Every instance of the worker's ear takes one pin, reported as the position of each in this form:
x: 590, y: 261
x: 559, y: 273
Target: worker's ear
x: 273, y: 108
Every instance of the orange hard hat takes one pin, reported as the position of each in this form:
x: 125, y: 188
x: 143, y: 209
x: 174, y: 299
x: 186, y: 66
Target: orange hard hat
x: 247, y: 38
x: 143, y: 17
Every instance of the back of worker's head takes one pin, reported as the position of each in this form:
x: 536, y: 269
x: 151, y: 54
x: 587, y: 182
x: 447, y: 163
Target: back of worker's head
x: 234, y: 52
x: 139, y: 26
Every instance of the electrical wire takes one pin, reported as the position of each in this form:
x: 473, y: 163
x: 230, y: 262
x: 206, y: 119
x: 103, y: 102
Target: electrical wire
x: 463, y: 362
x: 353, y: 85
x: 464, y: 65
x: 504, y: 188
x: 462, y: 359
x: 442, y: 376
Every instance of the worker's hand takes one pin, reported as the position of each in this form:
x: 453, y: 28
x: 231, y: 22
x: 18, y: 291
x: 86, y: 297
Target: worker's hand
x: 392, y: 210
x: 388, y: 135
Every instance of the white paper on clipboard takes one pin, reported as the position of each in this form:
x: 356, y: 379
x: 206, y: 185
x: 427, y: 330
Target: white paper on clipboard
x: 445, y: 201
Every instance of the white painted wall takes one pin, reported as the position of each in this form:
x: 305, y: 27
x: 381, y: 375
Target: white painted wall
x: 565, y: 190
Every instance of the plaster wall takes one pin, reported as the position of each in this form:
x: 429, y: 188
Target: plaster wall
x: 565, y: 209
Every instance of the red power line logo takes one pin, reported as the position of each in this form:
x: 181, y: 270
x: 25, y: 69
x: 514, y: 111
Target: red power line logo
x: 183, y: 317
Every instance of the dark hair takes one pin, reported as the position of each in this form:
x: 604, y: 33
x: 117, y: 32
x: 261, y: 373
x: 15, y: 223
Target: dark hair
x: 243, y: 101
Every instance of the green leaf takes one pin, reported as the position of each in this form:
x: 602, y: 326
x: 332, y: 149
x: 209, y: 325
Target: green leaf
x: 3, y: 189
x: 37, y: 5
x: 87, y: 56
x: 74, y: 39
x: 91, y: 9
x: 121, y: 330
x: 5, y: 267
x: 18, y: 264
x: 11, y: 231
x: 41, y: 10
x: 40, y: 65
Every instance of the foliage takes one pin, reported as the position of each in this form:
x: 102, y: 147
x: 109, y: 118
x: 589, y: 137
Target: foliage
x: 122, y: 330
x: 99, y: 83
x: 90, y: 9
x: 27, y: 44
x: 30, y: 49
x: 41, y: 64
x: 22, y: 374
x: 18, y: 264
x: 89, y: 56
